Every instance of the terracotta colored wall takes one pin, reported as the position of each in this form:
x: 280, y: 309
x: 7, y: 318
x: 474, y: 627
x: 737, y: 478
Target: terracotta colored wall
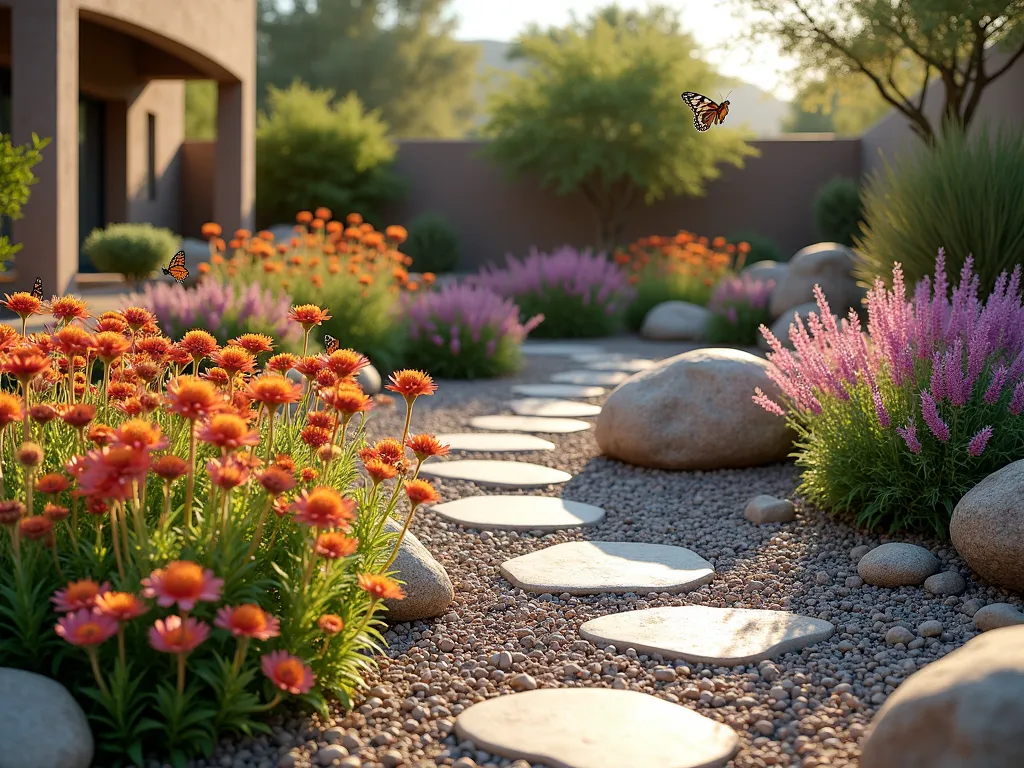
x: 198, y: 160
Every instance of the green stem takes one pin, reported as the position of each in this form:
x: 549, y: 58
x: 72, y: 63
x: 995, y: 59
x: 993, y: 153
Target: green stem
x: 398, y: 542
x: 255, y: 543
x: 191, y: 479
x: 95, y: 663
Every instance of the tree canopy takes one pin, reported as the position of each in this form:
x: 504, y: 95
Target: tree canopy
x: 899, y: 46
x: 398, y: 56
x: 598, y: 112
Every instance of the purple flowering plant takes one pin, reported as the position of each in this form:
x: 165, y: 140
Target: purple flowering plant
x: 897, y: 424
x: 225, y: 310
x: 580, y: 294
x: 739, y: 307
x: 465, y: 331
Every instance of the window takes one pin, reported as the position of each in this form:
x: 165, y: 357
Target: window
x: 151, y: 155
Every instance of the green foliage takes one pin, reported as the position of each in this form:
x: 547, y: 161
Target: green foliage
x: 762, y: 247
x: 739, y: 307
x: 846, y: 105
x: 398, y: 56
x: 432, y: 244
x: 838, y: 211
x: 16, y: 178
x: 200, y: 109
x: 965, y: 194
x: 312, y: 150
x: 896, y: 48
x: 133, y: 250
x: 598, y: 113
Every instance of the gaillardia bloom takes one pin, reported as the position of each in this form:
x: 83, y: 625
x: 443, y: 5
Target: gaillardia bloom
x: 287, y: 672
x: 182, y: 582
x: 380, y: 587
x: 248, y: 620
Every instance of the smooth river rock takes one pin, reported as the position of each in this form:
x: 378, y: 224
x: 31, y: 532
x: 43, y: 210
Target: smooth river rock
x: 428, y: 589
x: 897, y: 565
x: 41, y: 724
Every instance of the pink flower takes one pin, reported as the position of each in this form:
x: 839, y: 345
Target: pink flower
x: 931, y: 417
x: 909, y: 435
x: 248, y: 620
x: 172, y: 635
x: 979, y: 441
x: 287, y: 672
x: 78, y: 595
x: 85, y: 627
x: 182, y: 582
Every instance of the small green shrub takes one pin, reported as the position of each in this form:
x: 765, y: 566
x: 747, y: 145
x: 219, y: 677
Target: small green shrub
x: 312, y: 151
x: 965, y: 194
x: 762, y: 247
x: 133, y: 250
x: 838, y: 211
x: 433, y: 245
x: 16, y: 164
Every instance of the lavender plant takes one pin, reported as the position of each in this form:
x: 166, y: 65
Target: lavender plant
x: 465, y: 331
x: 223, y: 309
x: 739, y: 306
x: 895, y: 426
x: 579, y: 293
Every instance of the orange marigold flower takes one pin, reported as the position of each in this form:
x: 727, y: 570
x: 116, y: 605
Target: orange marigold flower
x: 331, y: 545
x: 411, y: 384
x: 265, y: 235
x: 234, y: 360
x: 425, y: 446
x: 146, y: 368
x: 253, y: 343
x: 78, y: 414
x: 273, y: 390
x: 389, y: 450
x: 22, y: 303
x: 227, y: 473
x: 86, y: 628
x: 287, y: 672
x: 242, y: 234
x: 73, y: 340
x: 323, y: 507
x: 154, y: 346
x: 322, y: 213
x: 380, y: 587
x: 78, y: 595
x: 55, y: 513
x: 43, y: 413
x: 178, y: 355
x: 100, y: 434
x: 216, y: 376
x: 346, y: 362
x: 211, y: 229
x: 177, y: 635
x: 276, y: 480
x: 315, y: 437
x: 8, y: 336
x: 192, y: 398
x: 140, y: 435
x: 182, y: 582
x: 198, y: 343
x: 320, y: 419
x: 379, y: 470
x: 228, y: 430
x: 330, y: 624
x: 52, y: 483
x: 67, y: 308
x: 248, y: 620
x: 304, y: 217
x: 421, y: 492
x: 365, y: 280
x: 121, y: 390
x: 308, y: 315
x: 325, y: 378
x: 10, y: 409
x: 170, y: 467
x: 282, y: 363
x: 396, y: 233
x: 285, y: 461
x: 120, y: 606
x: 35, y: 527
x: 354, y: 219
x: 137, y: 317
x: 24, y: 365
x: 347, y: 398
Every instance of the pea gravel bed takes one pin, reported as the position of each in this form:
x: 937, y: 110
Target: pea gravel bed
x: 807, y: 708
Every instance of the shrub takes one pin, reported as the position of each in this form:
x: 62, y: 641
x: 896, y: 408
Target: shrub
x: 16, y: 179
x: 681, y: 268
x: 433, y: 245
x: 762, y: 247
x: 580, y: 294
x: 739, y: 306
x: 132, y: 250
x: 964, y: 194
x: 897, y: 428
x: 233, y: 548
x: 311, y: 150
x: 225, y: 310
x: 348, y: 266
x: 465, y: 331
x: 838, y: 211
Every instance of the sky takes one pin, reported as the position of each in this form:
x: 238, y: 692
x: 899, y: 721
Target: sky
x: 711, y: 21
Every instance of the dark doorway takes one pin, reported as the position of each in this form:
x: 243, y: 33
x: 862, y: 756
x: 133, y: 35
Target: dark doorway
x: 92, y: 133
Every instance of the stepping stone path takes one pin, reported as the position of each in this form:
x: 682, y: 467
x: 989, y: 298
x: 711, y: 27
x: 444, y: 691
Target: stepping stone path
x: 551, y: 407
x: 529, y: 424
x: 596, y: 728
x: 497, y: 474
x: 727, y: 637
x: 591, y: 378
x: 593, y: 567
x: 628, y: 366
x: 519, y: 513
x: 559, y: 349
x: 557, y: 390
x: 495, y: 442
x: 596, y: 357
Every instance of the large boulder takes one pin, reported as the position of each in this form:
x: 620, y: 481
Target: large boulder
x: 694, y: 411
x: 675, y: 321
x: 428, y: 590
x: 766, y: 270
x: 987, y: 527
x: 41, y: 724
x: 781, y: 325
x: 963, y: 711
x: 829, y: 265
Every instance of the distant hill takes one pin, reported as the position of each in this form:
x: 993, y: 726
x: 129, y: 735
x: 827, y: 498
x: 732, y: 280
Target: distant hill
x: 761, y: 112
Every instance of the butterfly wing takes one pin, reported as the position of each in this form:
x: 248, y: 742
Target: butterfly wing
x: 705, y: 111
x: 37, y: 288
x: 177, y: 268
x: 332, y: 344
x: 722, y: 111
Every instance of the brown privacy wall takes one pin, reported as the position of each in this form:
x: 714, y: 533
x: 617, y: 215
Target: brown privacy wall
x: 198, y: 164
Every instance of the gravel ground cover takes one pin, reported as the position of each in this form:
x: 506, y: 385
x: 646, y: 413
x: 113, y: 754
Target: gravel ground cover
x: 807, y: 708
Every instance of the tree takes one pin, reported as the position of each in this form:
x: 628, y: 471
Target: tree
x: 16, y: 180
x: 890, y: 42
x: 398, y: 56
x: 847, y: 107
x: 598, y: 112
x: 200, y: 109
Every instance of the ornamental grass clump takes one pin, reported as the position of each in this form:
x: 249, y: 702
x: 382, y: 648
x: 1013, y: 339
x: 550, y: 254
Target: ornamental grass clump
x: 346, y: 265
x: 580, y: 294
x: 226, y: 310
x: 680, y: 268
x: 465, y: 331
x: 896, y: 426
x: 184, y: 552
x: 739, y: 307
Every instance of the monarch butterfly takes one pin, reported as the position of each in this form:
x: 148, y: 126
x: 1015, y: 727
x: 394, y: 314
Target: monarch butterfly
x: 705, y: 112
x: 332, y: 344
x: 37, y: 288
x: 177, y: 268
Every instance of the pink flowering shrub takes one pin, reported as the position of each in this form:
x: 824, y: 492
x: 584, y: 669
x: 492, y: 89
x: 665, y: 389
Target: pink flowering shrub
x: 896, y: 425
x: 739, y: 306
x: 464, y: 331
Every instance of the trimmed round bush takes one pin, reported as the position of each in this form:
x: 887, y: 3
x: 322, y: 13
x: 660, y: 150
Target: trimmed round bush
x: 838, y: 211
x: 132, y: 250
x: 433, y: 245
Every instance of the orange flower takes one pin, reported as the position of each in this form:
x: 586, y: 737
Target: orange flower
x: 347, y: 398
x: 73, y: 340
x: 170, y: 467
x: 182, y: 582
x: 234, y: 360
x: 379, y: 470
x: 242, y: 234
x: 304, y: 217
x: 282, y: 363
x: 36, y: 527
x: 86, y: 628
x: 389, y: 450
x: 315, y: 437
x: 43, y: 413
x: 276, y: 480
x: 10, y: 409
x: 330, y: 624
x: 192, y: 398
x: 265, y: 235
x: 396, y: 233
x: 320, y: 419
x: 331, y: 545
x: 140, y: 435
x: 227, y: 473
x: 29, y: 454
x: 248, y: 620
x: 110, y: 346
x: 55, y: 513
x: 78, y: 414
x: 287, y: 672
x: 420, y: 492
x: 120, y: 390
x: 308, y: 315
x: 272, y: 390
x: 22, y: 303
x: 253, y: 343
x: 411, y: 384
x: 137, y: 317
x: 354, y: 219
x: 11, y: 511
x: 67, y: 308
x: 78, y: 595
x: 323, y: 507
x: 121, y: 606
x: 346, y: 362
x: 8, y: 336
x: 177, y: 635
x: 217, y: 376
x: 154, y: 346
x: 52, y: 483
x: 228, y: 430
x: 380, y: 587
x: 198, y: 343
x: 428, y: 278
x: 308, y: 474
x: 211, y: 229
x: 322, y: 213
x: 325, y: 378
x: 24, y: 365
x: 100, y: 434
x: 425, y: 446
